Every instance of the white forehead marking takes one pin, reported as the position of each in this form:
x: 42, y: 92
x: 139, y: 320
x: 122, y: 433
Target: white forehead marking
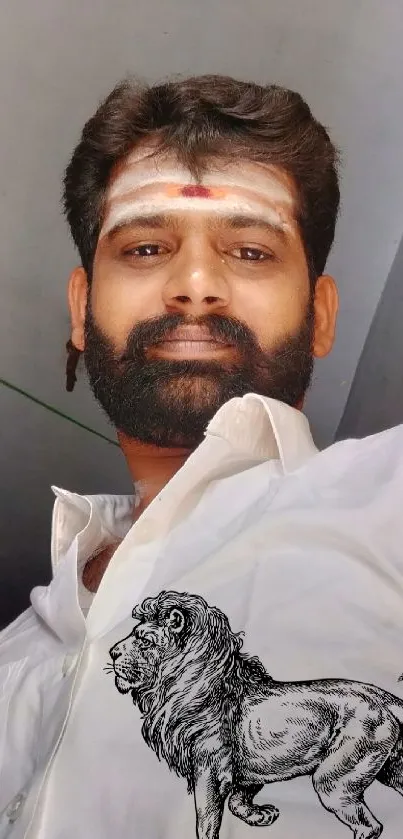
x: 135, y: 177
x: 126, y: 211
x: 129, y: 195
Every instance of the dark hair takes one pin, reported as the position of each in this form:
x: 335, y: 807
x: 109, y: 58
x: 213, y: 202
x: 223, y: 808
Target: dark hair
x: 198, y: 119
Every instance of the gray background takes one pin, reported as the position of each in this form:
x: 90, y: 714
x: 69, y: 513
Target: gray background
x: 57, y: 60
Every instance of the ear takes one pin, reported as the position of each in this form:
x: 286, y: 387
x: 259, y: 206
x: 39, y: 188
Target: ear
x: 175, y: 621
x: 77, y: 297
x: 326, y: 304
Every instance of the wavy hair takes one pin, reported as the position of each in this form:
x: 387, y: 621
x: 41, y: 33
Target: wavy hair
x: 199, y: 119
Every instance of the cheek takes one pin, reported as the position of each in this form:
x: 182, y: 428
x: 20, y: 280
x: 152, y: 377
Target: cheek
x: 118, y: 303
x: 274, y: 310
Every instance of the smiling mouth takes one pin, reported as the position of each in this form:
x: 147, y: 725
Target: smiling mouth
x: 191, y: 348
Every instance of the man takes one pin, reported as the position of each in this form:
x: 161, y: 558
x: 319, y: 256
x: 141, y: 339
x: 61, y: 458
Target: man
x: 223, y: 649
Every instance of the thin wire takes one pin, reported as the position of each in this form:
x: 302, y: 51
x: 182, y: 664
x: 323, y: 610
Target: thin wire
x: 52, y: 410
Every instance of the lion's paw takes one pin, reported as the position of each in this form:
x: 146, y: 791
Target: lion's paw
x: 262, y: 816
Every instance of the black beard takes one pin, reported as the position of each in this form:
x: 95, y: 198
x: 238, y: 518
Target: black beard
x: 169, y: 403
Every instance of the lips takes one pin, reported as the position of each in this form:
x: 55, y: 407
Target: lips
x: 191, y: 334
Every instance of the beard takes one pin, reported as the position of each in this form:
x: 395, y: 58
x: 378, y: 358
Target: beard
x: 169, y: 402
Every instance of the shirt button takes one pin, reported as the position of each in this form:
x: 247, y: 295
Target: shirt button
x: 68, y: 663
x: 15, y: 807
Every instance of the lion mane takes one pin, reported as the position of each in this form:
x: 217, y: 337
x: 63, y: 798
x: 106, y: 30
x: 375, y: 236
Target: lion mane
x: 198, y: 688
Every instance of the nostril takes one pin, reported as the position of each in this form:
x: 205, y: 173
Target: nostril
x: 114, y: 653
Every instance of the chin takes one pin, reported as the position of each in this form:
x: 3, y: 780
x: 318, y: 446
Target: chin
x: 123, y: 685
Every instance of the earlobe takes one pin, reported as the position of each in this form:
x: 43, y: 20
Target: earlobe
x: 77, y: 298
x: 326, y: 306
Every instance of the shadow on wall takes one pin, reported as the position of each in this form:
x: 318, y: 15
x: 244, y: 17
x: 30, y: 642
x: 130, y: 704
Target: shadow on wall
x: 43, y: 450
x: 376, y: 396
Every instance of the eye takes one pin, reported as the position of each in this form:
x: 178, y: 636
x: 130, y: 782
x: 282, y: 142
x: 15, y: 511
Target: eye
x: 145, y: 642
x: 149, y: 249
x: 251, y: 254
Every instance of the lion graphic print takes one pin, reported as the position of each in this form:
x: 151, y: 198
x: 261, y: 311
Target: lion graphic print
x: 217, y: 719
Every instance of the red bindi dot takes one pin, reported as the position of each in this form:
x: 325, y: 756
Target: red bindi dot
x: 196, y: 191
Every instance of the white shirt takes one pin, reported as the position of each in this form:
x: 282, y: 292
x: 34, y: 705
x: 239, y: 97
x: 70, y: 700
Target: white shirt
x: 258, y: 533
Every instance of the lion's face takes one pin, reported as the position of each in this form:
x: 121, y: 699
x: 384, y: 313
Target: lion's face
x: 137, y: 658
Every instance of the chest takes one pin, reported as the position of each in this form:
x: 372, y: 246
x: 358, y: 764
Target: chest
x: 312, y: 579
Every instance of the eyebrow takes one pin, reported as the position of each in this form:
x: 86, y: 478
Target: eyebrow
x: 242, y: 222
x: 149, y: 222
x: 234, y: 222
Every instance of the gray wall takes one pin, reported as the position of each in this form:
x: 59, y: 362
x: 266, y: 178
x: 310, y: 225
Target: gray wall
x: 376, y: 397
x: 57, y: 59
x: 38, y: 450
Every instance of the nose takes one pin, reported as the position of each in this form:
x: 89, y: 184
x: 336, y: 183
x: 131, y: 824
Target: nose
x: 197, y: 283
x: 115, y: 652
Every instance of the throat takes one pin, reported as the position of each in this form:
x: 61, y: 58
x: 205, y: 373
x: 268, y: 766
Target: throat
x: 95, y: 568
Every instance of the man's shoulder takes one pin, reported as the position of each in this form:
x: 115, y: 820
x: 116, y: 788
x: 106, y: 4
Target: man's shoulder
x: 379, y: 454
x: 381, y: 443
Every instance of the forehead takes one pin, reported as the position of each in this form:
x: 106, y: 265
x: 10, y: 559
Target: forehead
x: 144, y: 628
x: 148, y: 183
x: 145, y: 166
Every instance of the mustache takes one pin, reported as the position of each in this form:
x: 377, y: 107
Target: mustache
x: 220, y: 328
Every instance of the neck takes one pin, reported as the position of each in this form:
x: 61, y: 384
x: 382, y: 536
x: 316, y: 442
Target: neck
x: 151, y: 467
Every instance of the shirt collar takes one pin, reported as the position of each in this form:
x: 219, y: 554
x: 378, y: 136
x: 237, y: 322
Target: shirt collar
x: 262, y: 428
x: 266, y: 429
x: 92, y: 518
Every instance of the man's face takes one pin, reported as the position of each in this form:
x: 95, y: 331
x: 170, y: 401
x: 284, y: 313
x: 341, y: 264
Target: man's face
x: 200, y: 292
